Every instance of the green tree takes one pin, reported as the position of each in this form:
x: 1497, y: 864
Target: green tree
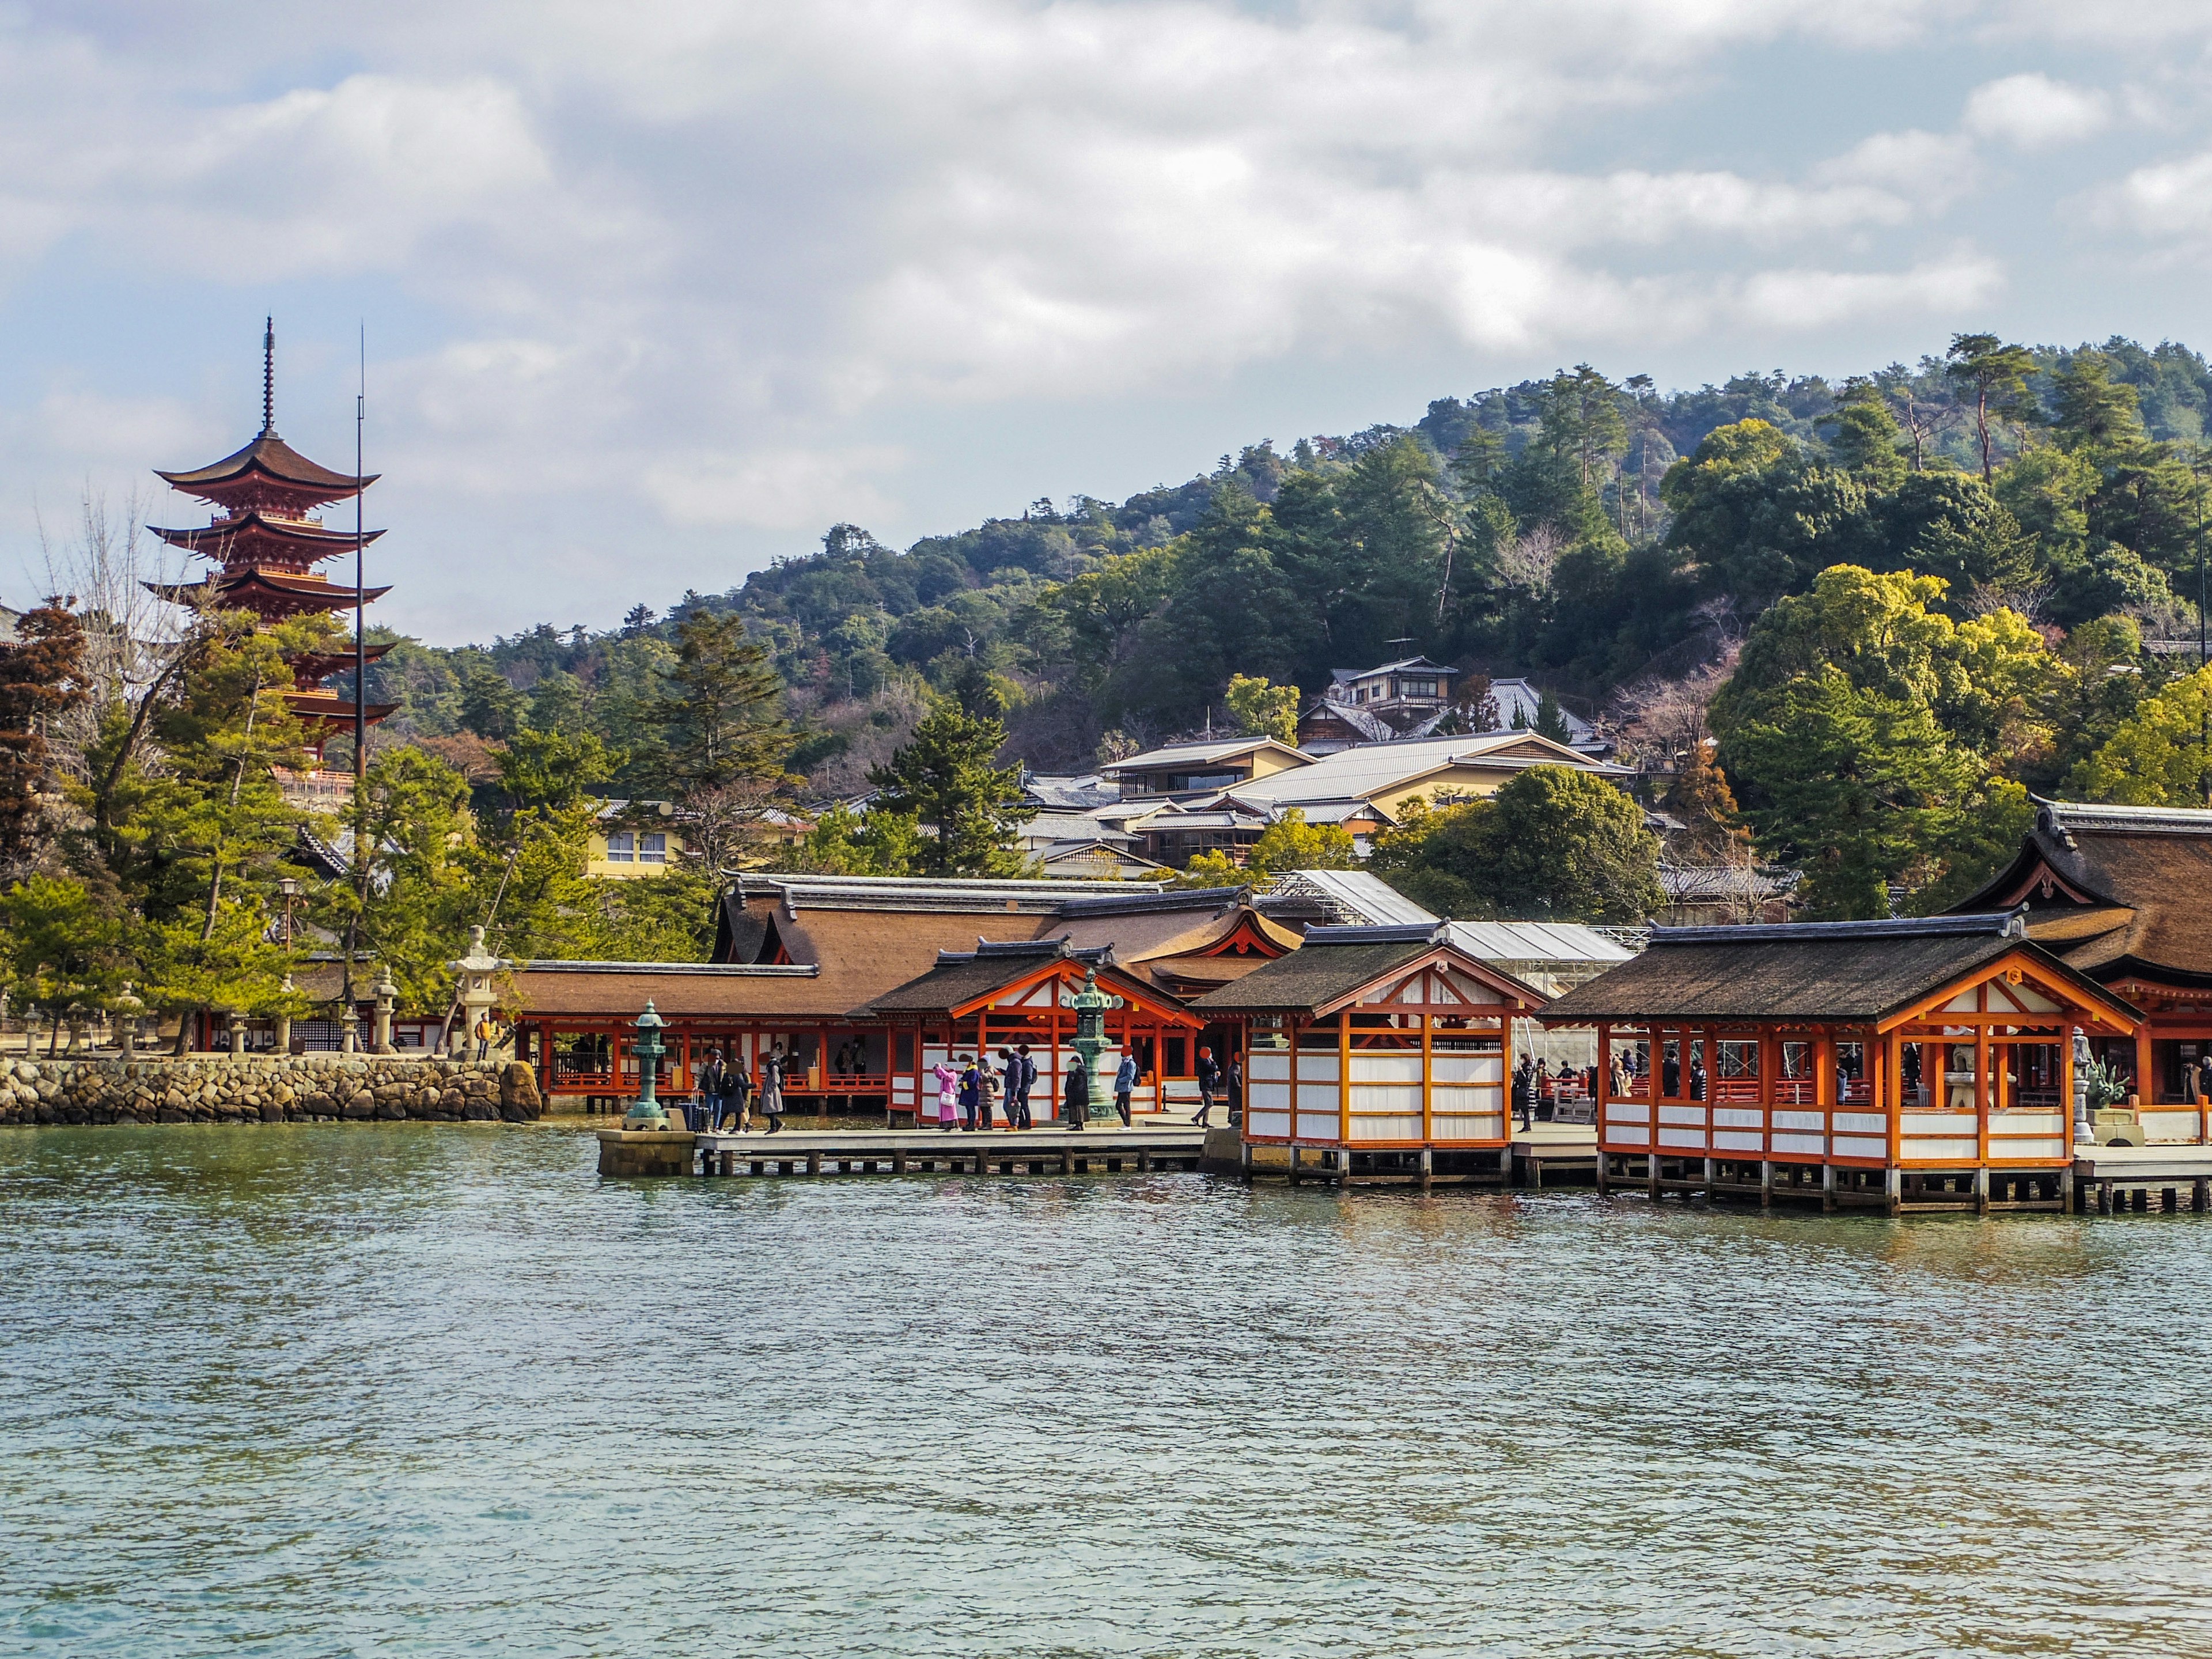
x: 943, y: 779
x: 2090, y: 408
x: 212, y: 825
x: 844, y: 843
x: 62, y: 946
x: 411, y: 914
x: 557, y: 704
x: 1862, y: 791
x: 720, y: 712
x: 2159, y: 756
x: 1757, y: 514
x: 1290, y: 843
x: 1555, y: 844
x: 549, y: 770
x: 490, y: 706
x: 1262, y: 709
x: 1865, y: 439
x: 1993, y: 377
x: 1551, y: 721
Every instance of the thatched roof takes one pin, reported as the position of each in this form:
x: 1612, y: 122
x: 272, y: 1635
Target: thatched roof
x: 2117, y: 892
x: 1852, y: 972
x: 1335, y: 963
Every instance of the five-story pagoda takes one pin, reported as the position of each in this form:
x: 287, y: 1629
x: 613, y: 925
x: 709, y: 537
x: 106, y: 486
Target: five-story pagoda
x: 266, y: 539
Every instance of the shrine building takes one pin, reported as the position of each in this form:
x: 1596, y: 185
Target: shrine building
x: 2119, y: 895
x: 1913, y: 1065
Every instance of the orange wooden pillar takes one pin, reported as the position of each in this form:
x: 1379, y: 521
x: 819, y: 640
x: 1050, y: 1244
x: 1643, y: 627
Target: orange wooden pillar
x: 2146, y: 1084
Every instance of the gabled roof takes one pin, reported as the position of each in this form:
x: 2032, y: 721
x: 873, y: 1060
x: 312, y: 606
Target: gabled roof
x: 1336, y: 963
x: 1357, y: 897
x: 1404, y: 663
x: 1356, y: 774
x: 1203, y: 753
x: 1856, y: 972
x: 2118, y: 891
x: 963, y: 980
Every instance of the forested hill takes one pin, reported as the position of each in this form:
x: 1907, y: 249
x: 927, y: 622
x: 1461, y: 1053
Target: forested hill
x: 1589, y: 533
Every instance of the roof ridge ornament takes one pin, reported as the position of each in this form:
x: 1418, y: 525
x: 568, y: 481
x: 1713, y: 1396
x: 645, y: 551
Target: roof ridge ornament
x: 268, y: 377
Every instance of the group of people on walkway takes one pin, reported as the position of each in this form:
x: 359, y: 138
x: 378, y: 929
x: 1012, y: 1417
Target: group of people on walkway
x: 728, y: 1093
x: 970, y: 1094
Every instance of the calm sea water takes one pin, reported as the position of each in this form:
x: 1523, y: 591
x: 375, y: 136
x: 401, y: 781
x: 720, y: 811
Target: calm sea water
x: 431, y: 1389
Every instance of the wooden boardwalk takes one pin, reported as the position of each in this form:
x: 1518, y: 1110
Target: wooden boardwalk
x: 1113, y: 1151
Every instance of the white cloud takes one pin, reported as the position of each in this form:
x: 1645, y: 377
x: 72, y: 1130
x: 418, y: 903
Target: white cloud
x: 772, y: 490
x: 2035, y: 111
x: 733, y: 266
x: 1930, y: 169
x: 2172, y: 198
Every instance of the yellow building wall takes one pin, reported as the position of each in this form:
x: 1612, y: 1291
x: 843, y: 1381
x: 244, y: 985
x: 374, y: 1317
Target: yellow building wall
x: 597, y: 863
x: 1265, y: 763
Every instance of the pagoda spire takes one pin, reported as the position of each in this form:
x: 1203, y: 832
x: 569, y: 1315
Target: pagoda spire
x: 268, y: 377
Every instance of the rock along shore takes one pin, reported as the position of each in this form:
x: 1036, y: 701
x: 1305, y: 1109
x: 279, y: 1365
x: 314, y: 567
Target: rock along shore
x: 265, y: 1089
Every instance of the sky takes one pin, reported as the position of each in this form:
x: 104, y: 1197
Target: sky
x: 655, y: 294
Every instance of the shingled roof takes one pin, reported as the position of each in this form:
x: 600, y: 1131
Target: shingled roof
x: 1336, y: 963
x: 1853, y: 972
x: 2117, y: 892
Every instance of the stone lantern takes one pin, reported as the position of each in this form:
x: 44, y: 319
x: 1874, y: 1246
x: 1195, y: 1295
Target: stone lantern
x: 1091, y: 1005
x: 646, y: 1111
x: 387, y: 998
x: 128, y: 1011
x: 476, y: 995
x: 349, y: 1031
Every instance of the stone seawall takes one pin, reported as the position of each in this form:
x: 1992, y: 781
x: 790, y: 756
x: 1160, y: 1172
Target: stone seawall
x: 304, y: 1088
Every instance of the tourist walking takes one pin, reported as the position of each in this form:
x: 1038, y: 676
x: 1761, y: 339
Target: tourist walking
x: 712, y: 1085
x: 1077, y: 1099
x: 485, y: 1031
x: 1235, y: 1086
x: 1028, y: 1078
x: 948, y: 1084
x: 738, y: 1085
x: 971, y: 1091
x: 986, y: 1091
x: 1010, y: 1074
x: 771, y: 1089
x: 1209, y: 1082
x: 1125, y: 1084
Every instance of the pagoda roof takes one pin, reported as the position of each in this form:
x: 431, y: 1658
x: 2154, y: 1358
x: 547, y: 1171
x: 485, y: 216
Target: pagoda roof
x: 271, y: 457
x: 291, y: 591
x: 318, y: 664
x: 254, y: 530
x: 326, y: 708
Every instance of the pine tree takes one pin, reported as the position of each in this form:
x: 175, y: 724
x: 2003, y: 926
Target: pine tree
x: 720, y: 707
x: 943, y: 779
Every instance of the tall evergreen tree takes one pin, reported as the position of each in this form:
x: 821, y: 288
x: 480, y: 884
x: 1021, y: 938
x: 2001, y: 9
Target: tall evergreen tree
x: 943, y: 778
x: 721, y: 707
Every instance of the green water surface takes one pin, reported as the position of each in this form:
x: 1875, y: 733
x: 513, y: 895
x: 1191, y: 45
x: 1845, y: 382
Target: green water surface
x: 437, y: 1388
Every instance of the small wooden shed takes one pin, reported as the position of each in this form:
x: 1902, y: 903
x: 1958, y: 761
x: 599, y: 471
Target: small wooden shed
x: 1903, y: 1064
x: 1383, y: 1052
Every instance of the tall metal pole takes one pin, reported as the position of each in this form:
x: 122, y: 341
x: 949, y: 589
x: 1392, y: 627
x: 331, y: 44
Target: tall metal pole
x: 2204, y: 715
x: 360, y: 644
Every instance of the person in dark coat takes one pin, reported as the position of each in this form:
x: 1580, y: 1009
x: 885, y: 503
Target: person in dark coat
x: 1077, y: 1100
x: 1209, y: 1085
x: 971, y: 1090
x: 1024, y: 1084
